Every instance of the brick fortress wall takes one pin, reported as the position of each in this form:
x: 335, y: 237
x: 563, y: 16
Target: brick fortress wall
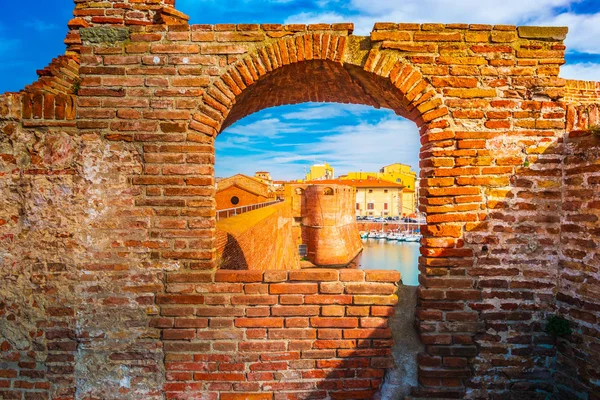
x: 258, y: 240
x: 578, y: 297
x: 99, y: 255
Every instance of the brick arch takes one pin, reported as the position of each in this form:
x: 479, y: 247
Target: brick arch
x: 302, y: 68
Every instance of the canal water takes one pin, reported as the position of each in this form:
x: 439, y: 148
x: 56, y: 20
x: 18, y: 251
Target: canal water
x: 390, y: 255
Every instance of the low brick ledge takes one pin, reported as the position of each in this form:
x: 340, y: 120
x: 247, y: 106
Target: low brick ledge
x: 315, y: 275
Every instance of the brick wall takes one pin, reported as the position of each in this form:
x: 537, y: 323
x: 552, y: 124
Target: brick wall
x: 258, y: 240
x: 277, y: 334
x: 579, y: 280
x: 577, y: 300
x: 107, y: 219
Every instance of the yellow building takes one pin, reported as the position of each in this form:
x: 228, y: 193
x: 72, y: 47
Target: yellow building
x: 397, y: 173
x: 319, y: 172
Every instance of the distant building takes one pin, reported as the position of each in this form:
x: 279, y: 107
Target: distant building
x: 377, y: 197
x: 264, y: 177
x: 320, y: 172
x: 241, y: 190
x: 397, y: 173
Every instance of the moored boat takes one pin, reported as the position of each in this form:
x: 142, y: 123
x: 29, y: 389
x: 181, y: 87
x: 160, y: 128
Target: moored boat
x: 414, y: 237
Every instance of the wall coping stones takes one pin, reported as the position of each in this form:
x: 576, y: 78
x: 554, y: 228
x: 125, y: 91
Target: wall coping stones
x: 543, y: 32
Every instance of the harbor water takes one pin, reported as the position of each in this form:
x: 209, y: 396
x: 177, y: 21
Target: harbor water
x: 390, y: 255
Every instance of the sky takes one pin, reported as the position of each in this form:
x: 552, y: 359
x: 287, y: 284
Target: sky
x: 286, y: 140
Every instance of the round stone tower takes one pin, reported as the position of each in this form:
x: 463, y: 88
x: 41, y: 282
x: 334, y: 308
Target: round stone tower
x: 330, y: 224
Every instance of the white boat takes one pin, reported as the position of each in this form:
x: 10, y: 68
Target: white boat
x: 364, y: 234
x: 402, y: 236
x: 372, y: 235
x: 414, y: 237
x: 381, y: 235
x: 391, y: 235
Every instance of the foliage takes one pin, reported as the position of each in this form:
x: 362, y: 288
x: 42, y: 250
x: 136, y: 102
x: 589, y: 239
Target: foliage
x: 558, y: 326
x: 76, y: 86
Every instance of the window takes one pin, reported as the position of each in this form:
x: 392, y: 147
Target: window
x: 328, y: 192
x: 385, y: 191
x: 358, y: 206
x: 235, y: 200
x: 370, y: 206
x: 385, y: 206
x: 302, y: 250
x: 370, y: 190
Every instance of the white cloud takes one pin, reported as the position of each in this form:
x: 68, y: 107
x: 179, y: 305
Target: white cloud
x: 369, y: 146
x: 581, y: 72
x: 363, y: 146
x: 271, y: 128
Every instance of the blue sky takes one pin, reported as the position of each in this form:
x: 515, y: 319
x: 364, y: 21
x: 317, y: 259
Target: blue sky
x: 285, y: 140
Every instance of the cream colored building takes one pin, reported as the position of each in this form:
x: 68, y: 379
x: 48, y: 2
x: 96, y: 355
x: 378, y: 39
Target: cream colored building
x: 378, y: 198
x: 397, y: 173
x: 409, y: 202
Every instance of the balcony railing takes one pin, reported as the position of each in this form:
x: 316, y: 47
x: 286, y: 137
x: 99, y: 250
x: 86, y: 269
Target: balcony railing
x: 232, y: 212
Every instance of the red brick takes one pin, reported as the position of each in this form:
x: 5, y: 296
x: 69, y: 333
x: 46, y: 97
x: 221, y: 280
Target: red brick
x: 259, y: 322
x: 293, y: 288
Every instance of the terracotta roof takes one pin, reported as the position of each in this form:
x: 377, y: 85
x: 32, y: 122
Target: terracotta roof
x: 362, y: 183
x: 238, y: 181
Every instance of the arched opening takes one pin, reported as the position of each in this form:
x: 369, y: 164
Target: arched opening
x: 399, y: 88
